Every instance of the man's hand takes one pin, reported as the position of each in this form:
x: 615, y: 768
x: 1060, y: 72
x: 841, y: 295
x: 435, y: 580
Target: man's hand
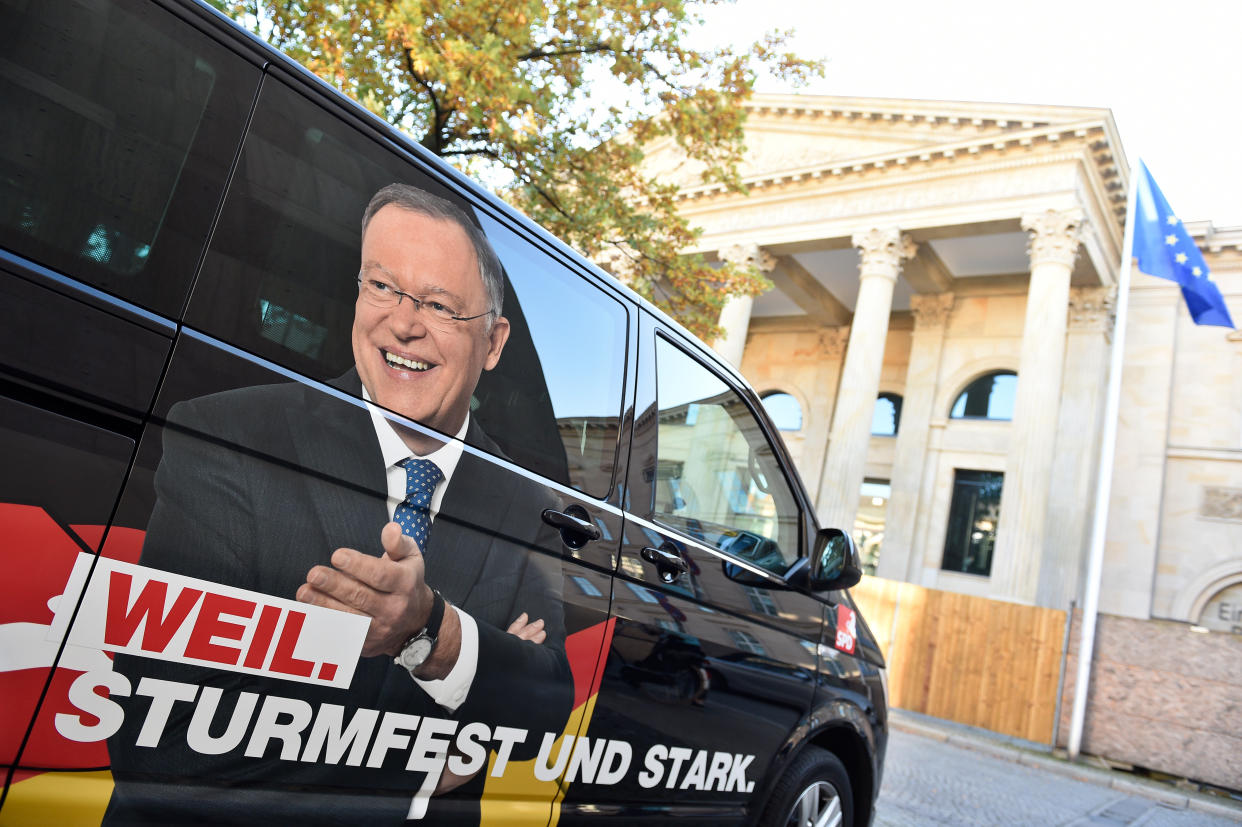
x: 527, y: 629
x: 388, y: 589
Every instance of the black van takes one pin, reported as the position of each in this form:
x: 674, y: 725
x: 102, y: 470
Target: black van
x: 607, y: 593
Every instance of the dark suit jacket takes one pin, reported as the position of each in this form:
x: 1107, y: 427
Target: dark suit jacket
x: 255, y: 487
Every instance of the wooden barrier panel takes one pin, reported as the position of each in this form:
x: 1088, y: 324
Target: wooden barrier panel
x: 977, y: 661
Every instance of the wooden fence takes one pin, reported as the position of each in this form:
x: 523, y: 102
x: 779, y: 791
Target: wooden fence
x: 981, y: 662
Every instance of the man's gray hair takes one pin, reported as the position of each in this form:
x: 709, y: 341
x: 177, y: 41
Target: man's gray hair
x: 411, y: 198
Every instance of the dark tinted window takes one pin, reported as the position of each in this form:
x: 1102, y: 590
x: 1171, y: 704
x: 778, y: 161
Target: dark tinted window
x: 279, y: 281
x: 973, y: 516
x: 117, y: 127
x: 279, y: 277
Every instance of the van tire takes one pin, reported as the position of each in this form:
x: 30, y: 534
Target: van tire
x: 816, y: 784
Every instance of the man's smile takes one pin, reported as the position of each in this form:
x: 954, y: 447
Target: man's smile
x: 403, y: 363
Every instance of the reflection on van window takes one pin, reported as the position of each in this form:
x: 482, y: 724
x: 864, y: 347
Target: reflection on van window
x: 784, y: 410
x: 120, y: 129
x: 717, y: 479
x: 578, y: 337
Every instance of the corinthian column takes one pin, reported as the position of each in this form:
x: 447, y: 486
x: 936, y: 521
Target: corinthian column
x: 931, y: 316
x: 735, y: 315
x: 1028, y: 468
x: 1071, y: 498
x: 881, y: 254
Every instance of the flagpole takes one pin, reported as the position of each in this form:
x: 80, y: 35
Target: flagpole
x: 1104, y: 481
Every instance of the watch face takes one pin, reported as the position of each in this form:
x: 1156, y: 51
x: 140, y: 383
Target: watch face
x: 415, y: 652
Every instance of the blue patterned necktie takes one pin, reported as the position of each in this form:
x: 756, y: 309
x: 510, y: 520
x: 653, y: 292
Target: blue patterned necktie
x: 421, y: 478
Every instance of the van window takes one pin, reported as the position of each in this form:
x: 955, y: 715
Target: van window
x: 717, y: 478
x: 279, y: 281
x: 578, y: 333
x: 118, y: 127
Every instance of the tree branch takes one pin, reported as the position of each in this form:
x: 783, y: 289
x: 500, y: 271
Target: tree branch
x: 432, y: 140
x: 544, y: 52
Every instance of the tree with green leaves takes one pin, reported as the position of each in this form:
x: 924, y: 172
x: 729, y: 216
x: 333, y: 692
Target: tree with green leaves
x: 553, y: 103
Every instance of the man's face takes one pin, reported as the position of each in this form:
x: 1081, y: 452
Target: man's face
x: 432, y: 259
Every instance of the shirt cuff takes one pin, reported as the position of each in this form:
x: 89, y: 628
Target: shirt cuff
x: 451, y: 690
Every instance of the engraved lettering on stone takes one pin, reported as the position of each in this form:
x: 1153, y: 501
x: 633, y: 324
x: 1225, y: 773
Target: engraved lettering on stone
x: 1222, y: 503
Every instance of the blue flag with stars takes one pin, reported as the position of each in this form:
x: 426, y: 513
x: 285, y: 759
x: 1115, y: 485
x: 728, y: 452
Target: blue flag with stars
x: 1164, y: 250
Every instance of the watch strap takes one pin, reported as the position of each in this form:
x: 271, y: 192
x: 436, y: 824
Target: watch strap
x: 432, y: 629
x: 430, y: 633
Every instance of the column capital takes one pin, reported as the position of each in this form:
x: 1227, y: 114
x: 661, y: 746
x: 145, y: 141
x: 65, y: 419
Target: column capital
x: 931, y: 310
x: 748, y: 254
x: 882, y: 250
x: 1092, y: 309
x: 1054, y: 236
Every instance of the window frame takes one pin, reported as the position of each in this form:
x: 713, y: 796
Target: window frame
x: 979, y: 378
x: 754, y: 407
x: 896, y: 400
x: 953, y: 498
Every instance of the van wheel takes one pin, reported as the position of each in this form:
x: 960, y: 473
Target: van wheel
x: 814, y: 792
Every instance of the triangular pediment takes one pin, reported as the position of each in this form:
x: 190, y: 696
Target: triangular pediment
x: 793, y: 132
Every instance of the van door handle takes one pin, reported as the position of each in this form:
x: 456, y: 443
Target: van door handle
x: 667, y: 560
x: 574, y: 524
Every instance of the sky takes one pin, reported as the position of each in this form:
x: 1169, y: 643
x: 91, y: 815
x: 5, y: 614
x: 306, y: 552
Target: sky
x: 1171, y: 73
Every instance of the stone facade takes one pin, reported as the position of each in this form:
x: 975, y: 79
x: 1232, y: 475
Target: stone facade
x: 919, y: 246
x: 1162, y: 697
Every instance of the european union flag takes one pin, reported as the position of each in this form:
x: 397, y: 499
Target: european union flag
x: 1164, y: 250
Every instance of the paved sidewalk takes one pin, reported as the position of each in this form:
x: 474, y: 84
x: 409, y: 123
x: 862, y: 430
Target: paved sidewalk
x: 1041, y: 757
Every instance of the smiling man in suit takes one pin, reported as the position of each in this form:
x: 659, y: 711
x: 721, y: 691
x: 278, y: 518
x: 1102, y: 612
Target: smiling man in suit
x: 357, y: 501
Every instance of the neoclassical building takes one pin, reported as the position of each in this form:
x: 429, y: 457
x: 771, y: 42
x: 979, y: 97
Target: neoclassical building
x: 936, y: 349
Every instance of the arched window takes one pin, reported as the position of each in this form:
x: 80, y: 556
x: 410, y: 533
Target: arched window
x: 988, y: 397
x: 886, y: 417
x: 785, y: 411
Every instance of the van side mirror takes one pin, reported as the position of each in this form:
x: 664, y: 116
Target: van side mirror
x: 834, y: 563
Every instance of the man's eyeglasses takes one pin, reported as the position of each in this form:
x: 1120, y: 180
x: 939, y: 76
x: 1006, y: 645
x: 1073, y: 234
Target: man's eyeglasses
x: 382, y: 294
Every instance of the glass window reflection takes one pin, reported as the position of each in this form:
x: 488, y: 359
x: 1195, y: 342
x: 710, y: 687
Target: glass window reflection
x: 717, y: 479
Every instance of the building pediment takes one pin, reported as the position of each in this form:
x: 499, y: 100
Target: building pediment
x: 786, y: 133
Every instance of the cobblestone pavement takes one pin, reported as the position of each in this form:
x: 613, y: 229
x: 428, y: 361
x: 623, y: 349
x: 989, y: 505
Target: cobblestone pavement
x: 929, y: 780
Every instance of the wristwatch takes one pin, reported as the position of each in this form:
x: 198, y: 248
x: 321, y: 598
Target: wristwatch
x: 419, y: 647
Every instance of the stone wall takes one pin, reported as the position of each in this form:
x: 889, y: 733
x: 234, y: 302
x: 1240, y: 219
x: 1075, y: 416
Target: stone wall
x: 1161, y: 697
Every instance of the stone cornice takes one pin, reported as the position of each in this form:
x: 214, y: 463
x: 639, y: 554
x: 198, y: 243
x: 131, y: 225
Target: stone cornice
x: 897, y: 110
x: 1213, y: 239
x: 1097, y: 133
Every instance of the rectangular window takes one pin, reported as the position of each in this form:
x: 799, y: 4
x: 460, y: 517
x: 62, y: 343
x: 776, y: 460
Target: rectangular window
x: 588, y: 588
x: 870, y: 519
x: 760, y: 600
x: 747, y: 642
x: 973, y: 515
x: 642, y: 593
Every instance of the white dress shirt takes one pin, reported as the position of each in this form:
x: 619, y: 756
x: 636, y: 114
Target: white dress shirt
x: 451, y: 690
